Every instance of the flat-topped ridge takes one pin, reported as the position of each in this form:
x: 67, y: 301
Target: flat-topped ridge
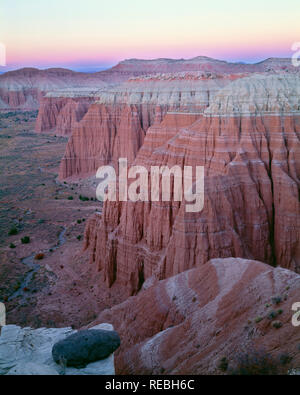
x: 258, y: 94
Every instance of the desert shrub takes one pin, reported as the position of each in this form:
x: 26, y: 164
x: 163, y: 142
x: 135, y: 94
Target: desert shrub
x: 285, y: 359
x: 39, y: 257
x: 79, y: 221
x: 258, y: 320
x: 277, y: 300
x: 277, y: 324
x: 83, y: 198
x: 79, y: 237
x: 17, y: 286
x: 25, y: 240
x: 13, y: 231
x: 273, y: 315
x: 12, y: 245
x: 255, y: 364
x: 70, y: 198
x: 223, y: 364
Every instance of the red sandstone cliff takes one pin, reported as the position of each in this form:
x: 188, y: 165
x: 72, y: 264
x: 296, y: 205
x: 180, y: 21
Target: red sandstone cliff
x: 106, y: 133
x: 62, y: 113
x: 248, y: 141
x: 189, y: 323
x: 115, y: 126
x: 23, y: 89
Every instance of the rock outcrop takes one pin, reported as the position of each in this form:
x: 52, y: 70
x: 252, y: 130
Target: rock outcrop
x: 29, y: 352
x: 139, y: 67
x: 86, y: 346
x: 115, y: 126
x: 188, y: 323
x: 24, y: 89
x: 248, y: 142
x: 61, y: 113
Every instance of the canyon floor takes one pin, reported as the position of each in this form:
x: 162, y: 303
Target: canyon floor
x: 46, y: 292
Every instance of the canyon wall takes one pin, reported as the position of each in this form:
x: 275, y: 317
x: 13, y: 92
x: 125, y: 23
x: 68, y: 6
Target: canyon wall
x: 115, y: 126
x: 60, y: 114
x: 248, y: 142
x: 22, y: 99
x: 24, y: 89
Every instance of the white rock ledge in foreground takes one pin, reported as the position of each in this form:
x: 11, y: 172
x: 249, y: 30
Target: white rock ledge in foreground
x: 26, y: 351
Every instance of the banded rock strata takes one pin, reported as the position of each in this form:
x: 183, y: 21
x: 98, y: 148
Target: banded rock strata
x: 188, y: 323
x: 251, y: 189
x: 23, y: 89
x: 116, y: 125
x: 60, y: 111
x: 139, y: 67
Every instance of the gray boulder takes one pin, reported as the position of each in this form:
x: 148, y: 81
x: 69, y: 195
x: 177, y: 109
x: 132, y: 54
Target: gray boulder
x: 85, y: 347
x: 28, y: 351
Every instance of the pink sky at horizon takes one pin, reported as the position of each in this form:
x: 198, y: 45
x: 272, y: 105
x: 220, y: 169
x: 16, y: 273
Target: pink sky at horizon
x: 98, y: 34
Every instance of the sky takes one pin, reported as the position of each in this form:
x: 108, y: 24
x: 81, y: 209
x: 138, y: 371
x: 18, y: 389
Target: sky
x: 96, y: 34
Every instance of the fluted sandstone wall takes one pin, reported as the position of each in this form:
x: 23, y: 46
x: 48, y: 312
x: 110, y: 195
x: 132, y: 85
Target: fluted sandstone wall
x: 250, y: 149
x: 107, y: 133
x: 22, y: 99
x: 115, y: 126
x: 60, y: 114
